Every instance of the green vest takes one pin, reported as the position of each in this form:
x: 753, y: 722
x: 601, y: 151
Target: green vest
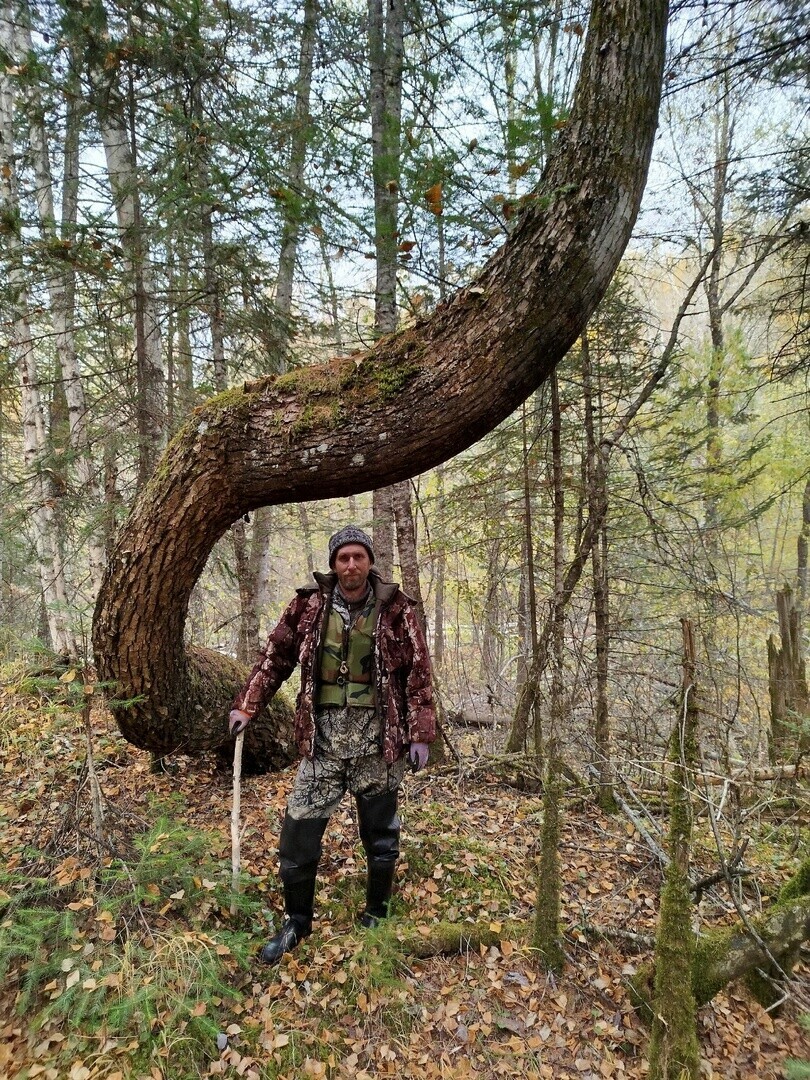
x: 347, y: 659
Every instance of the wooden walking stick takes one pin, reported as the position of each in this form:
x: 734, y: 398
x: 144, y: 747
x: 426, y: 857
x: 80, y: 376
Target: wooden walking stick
x: 236, y: 807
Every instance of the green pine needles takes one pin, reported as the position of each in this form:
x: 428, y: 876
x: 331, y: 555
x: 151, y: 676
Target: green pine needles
x: 139, y: 957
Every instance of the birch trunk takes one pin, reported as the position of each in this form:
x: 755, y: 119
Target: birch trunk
x: 35, y: 436
x: 115, y: 112
x: 61, y: 284
x: 151, y: 380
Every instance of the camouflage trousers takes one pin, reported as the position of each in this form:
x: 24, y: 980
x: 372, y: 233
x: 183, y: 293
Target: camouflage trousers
x: 338, y: 767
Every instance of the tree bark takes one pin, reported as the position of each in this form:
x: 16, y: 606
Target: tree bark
x: 35, y: 435
x: 596, y: 478
x: 787, y: 682
x: 375, y: 418
x: 406, y: 546
x: 801, y: 548
x: 386, y: 23
x: 674, y: 1051
x: 115, y: 113
x: 299, y: 141
x: 61, y: 282
x: 439, y: 572
x: 547, y: 934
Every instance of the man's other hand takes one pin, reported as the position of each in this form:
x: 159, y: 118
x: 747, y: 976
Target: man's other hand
x: 418, y: 755
x: 237, y: 721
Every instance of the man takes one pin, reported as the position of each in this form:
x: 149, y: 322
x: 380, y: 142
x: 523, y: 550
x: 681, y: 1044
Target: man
x: 364, y: 710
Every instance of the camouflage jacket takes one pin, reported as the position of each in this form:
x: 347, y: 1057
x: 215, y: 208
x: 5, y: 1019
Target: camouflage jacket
x: 404, y: 695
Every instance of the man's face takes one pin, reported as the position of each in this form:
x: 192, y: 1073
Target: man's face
x: 352, y: 564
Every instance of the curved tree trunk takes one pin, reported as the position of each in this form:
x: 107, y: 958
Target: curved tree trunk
x: 371, y: 419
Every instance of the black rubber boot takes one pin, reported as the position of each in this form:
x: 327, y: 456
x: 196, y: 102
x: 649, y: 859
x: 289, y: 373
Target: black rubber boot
x: 379, y: 885
x: 379, y: 833
x: 299, y: 853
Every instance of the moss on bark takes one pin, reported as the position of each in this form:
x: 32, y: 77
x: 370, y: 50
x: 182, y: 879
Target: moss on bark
x: 673, y: 1043
x: 448, y: 939
x: 674, y: 1053
x: 721, y: 956
x: 547, y: 936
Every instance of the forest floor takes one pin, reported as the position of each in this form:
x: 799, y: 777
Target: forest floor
x: 131, y: 966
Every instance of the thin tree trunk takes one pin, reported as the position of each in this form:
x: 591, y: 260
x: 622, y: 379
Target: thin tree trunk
x: 557, y: 709
x: 714, y: 448
x: 306, y: 531
x: 406, y: 545
x: 385, y: 48
x: 527, y: 697
x: 592, y: 528
x: 547, y: 938
x: 149, y: 365
x: 801, y: 549
x: 596, y: 479
x: 547, y: 932
x: 516, y: 740
x: 248, y: 632
x: 334, y: 308
x: 113, y: 500
x: 116, y: 119
x: 61, y: 283
x: 35, y: 436
x: 252, y: 567
x: 787, y: 682
x: 674, y: 1053
x: 439, y: 573
x: 299, y: 143
x: 262, y: 563
x: 490, y: 617
x: 440, y: 559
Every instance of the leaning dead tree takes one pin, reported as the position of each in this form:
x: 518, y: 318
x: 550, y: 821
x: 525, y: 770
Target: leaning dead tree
x: 373, y: 418
x: 787, y: 681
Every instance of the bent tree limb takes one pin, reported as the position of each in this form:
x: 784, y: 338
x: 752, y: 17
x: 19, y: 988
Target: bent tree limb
x: 371, y: 419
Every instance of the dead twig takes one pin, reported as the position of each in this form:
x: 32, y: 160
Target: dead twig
x: 236, y: 809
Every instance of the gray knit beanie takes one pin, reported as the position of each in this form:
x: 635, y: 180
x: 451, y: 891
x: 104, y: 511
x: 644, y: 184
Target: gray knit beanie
x: 349, y: 534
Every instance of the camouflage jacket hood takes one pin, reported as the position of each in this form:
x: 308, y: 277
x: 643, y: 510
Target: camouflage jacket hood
x: 404, y: 695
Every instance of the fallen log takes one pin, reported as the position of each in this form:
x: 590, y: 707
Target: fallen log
x: 721, y: 956
x: 724, y: 956
x: 450, y: 939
